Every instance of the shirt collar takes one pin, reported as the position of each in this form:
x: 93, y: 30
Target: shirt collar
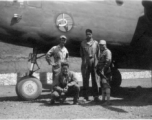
x: 90, y: 42
x: 60, y: 48
x: 66, y: 75
x: 104, y: 49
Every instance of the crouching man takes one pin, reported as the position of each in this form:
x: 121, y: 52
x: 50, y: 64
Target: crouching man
x: 65, y: 83
x: 104, y: 71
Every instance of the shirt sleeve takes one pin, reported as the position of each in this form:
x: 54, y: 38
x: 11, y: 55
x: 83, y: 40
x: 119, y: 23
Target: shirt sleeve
x: 67, y: 54
x: 73, y: 80
x: 56, y: 81
x: 56, y: 84
x: 108, y: 58
x: 51, y: 51
x: 81, y: 51
x: 98, y: 52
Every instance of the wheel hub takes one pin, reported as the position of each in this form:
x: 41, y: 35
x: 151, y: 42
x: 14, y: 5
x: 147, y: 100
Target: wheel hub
x: 30, y: 87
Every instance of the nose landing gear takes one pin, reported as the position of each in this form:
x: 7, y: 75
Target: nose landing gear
x: 29, y: 87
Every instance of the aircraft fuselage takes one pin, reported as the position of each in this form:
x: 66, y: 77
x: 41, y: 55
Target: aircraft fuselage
x: 40, y: 23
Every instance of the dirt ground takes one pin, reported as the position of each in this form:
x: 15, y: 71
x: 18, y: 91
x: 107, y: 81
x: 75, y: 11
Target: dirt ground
x: 127, y: 103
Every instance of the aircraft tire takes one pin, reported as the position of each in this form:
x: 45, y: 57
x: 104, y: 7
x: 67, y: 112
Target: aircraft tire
x: 19, y: 97
x: 116, y: 78
x: 29, y: 88
x: 16, y: 88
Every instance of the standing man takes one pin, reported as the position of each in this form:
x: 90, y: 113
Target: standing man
x: 59, y: 53
x: 89, y: 50
x: 104, y: 71
x: 65, y: 83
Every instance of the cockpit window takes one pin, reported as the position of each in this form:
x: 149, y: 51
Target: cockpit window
x: 37, y: 4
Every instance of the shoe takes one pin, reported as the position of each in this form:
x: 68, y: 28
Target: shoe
x: 62, y: 100
x: 86, y: 99
x: 107, y: 103
x: 52, y: 101
x: 75, y: 103
x: 96, y: 99
x: 103, y: 101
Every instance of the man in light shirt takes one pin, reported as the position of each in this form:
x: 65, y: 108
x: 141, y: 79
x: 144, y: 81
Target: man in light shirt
x: 60, y: 54
x: 104, y: 71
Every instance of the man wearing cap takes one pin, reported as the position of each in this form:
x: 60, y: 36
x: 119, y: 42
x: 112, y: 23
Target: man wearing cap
x: 59, y: 53
x: 65, y: 83
x: 103, y: 69
x: 89, y: 50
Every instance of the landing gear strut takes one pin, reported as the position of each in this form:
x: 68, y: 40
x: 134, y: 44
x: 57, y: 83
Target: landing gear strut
x: 29, y: 87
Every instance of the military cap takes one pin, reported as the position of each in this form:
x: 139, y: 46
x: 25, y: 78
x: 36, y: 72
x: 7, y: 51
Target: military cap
x: 103, y: 42
x: 63, y: 36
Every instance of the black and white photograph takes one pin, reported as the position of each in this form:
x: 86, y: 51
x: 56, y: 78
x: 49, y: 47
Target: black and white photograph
x: 75, y: 59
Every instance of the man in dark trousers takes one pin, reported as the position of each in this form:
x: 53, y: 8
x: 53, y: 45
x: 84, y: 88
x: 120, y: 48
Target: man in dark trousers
x: 104, y: 71
x: 89, y: 50
x: 64, y: 84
